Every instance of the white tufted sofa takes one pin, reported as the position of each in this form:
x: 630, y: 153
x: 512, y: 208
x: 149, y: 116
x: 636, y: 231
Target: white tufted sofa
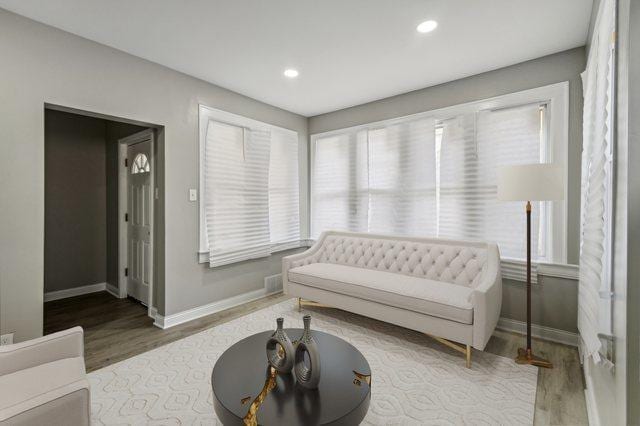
x: 448, y: 289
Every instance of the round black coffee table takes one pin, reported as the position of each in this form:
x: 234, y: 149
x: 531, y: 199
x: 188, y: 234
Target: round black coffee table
x: 242, y: 371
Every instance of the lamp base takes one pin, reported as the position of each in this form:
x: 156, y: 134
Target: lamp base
x: 525, y: 356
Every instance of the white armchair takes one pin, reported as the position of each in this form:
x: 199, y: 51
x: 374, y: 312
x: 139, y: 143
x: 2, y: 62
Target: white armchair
x: 43, y: 381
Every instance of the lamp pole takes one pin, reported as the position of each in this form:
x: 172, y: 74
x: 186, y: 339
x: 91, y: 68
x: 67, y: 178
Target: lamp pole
x: 526, y: 356
x: 529, y: 277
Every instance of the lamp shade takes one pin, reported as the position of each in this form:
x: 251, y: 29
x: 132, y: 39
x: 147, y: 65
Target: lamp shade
x: 531, y: 182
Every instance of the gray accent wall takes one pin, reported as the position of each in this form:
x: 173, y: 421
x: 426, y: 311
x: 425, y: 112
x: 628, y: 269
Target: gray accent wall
x: 75, y: 201
x: 41, y: 64
x: 555, y: 300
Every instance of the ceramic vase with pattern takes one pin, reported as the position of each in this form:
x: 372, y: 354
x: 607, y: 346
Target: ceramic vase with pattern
x: 308, y: 376
x: 280, y: 350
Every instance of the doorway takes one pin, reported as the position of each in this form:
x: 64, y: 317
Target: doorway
x: 99, y: 219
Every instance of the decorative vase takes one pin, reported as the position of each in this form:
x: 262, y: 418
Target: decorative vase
x: 280, y: 351
x: 308, y: 376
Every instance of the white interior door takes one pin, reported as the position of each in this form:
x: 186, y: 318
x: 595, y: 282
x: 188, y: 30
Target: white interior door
x: 139, y: 210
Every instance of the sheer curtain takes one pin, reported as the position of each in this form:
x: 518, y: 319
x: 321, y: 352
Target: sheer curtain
x: 595, y: 246
x: 237, y: 197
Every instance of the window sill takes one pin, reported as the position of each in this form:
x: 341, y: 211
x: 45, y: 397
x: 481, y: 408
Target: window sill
x: 514, y: 269
x: 203, y: 256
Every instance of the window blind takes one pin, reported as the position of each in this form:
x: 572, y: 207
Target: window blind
x: 236, y: 185
x: 432, y: 178
x: 340, y: 198
x: 594, y: 312
x: 284, y: 201
x: 473, y: 148
x: 378, y: 180
x: 402, y: 179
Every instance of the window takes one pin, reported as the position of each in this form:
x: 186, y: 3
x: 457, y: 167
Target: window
x: 249, y: 188
x: 140, y: 164
x: 434, y: 173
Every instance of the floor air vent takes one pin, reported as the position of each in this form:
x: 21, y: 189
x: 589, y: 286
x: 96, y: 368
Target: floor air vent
x: 273, y: 283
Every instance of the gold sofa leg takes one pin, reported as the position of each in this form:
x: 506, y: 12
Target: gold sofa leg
x: 466, y: 351
x: 303, y: 302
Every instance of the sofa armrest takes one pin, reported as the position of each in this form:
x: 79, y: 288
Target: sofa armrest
x: 288, y: 261
x: 53, y: 347
x: 487, y: 300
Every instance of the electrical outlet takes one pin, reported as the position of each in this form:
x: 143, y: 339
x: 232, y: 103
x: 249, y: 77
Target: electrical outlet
x: 6, y: 339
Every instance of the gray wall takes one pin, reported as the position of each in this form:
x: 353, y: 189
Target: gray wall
x: 114, y: 132
x: 554, y: 302
x: 554, y: 299
x: 42, y: 65
x: 75, y: 201
x: 632, y: 47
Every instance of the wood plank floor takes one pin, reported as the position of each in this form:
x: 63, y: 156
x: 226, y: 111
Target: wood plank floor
x: 117, y: 329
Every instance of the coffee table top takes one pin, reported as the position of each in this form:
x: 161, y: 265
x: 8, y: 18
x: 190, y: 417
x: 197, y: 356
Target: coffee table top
x: 342, y: 397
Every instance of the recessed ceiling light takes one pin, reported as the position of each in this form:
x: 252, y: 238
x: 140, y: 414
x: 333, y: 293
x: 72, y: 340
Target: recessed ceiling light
x: 291, y: 73
x: 427, y: 26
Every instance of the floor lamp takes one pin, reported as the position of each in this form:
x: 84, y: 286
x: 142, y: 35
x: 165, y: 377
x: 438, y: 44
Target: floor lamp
x: 531, y: 182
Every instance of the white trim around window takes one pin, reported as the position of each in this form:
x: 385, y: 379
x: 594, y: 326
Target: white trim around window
x: 205, y: 114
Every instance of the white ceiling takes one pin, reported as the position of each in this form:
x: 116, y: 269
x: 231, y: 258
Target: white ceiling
x: 348, y: 52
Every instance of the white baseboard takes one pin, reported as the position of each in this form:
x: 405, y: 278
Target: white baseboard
x: 113, y: 290
x: 201, y: 311
x: 539, y: 331
x: 76, y: 291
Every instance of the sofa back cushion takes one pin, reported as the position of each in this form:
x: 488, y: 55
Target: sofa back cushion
x: 441, y: 261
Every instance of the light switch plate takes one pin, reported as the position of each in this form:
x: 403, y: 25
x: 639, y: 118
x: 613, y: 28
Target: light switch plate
x: 6, y: 339
x: 193, y: 195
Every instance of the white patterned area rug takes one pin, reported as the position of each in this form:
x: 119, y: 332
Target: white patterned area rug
x: 415, y: 380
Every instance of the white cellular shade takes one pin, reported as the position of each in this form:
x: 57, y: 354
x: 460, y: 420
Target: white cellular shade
x: 340, y: 193
x: 284, y: 200
x: 378, y: 180
x: 460, y: 204
x: 402, y: 179
x: 432, y: 176
x: 237, y: 197
x: 594, y: 313
x: 506, y: 137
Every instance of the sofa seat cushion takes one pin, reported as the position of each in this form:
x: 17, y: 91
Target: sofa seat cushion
x: 25, y: 388
x: 435, y: 298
